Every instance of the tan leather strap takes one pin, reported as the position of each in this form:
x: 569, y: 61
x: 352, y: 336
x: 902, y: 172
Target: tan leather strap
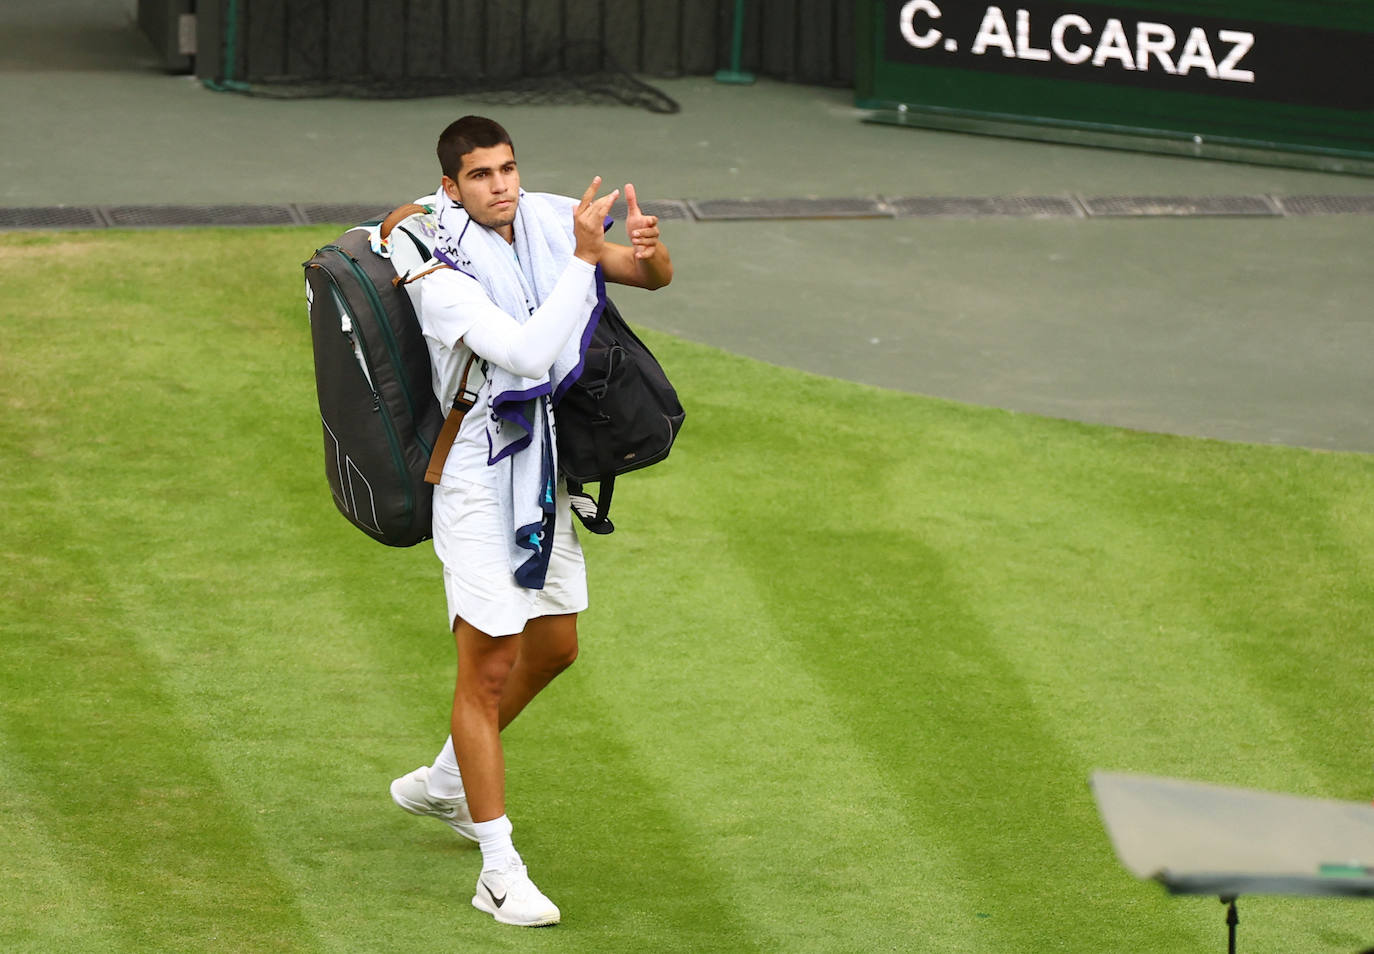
x: 463, y: 402
x: 389, y: 225
x: 395, y: 218
x: 407, y: 278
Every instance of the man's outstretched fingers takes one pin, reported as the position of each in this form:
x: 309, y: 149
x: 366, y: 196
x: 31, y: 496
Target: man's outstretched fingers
x: 603, y: 205
x: 589, y: 194
x: 589, y: 224
x: 593, y: 211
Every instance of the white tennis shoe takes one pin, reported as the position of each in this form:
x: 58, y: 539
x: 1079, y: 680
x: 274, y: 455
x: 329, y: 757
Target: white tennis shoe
x: 411, y: 792
x: 511, y: 898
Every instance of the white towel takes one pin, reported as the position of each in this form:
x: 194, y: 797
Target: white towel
x: 520, y: 423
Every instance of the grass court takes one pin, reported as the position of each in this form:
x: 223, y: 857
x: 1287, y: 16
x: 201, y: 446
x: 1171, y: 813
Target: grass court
x: 851, y: 657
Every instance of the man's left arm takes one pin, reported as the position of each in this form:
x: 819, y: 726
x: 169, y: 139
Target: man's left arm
x: 644, y: 263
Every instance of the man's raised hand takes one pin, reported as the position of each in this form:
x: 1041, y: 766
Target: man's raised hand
x: 643, y: 229
x: 589, y: 223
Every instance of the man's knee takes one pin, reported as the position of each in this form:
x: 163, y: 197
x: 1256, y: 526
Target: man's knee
x: 551, y: 658
x: 484, y: 662
x: 550, y: 644
x: 486, y: 681
x: 565, y: 656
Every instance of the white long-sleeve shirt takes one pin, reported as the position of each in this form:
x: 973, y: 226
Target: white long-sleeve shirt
x: 459, y: 319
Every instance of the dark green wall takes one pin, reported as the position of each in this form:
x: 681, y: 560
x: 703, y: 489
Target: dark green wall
x: 808, y: 41
x: 1304, y: 81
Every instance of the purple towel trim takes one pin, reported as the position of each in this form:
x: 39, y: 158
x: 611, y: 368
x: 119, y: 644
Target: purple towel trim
x: 510, y: 406
x: 502, y: 401
x: 443, y: 256
x: 514, y: 448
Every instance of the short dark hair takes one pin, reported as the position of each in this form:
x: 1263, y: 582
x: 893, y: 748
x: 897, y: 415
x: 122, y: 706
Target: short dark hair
x: 463, y: 136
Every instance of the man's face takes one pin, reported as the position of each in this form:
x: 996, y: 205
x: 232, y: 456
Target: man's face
x: 488, y: 186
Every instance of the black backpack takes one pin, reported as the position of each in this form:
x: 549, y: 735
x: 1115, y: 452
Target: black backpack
x: 372, y: 378
x: 620, y: 415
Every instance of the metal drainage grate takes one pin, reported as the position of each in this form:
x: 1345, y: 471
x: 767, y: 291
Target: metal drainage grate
x: 718, y: 209
x: 665, y: 209
x: 977, y: 206
x: 36, y: 217
x: 1327, y: 204
x: 53, y: 217
x: 341, y: 214
x: 1180, y: 205
x: 135, y: 216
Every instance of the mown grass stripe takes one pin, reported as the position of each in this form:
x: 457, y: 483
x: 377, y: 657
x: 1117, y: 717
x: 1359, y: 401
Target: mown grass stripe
x: 115, y: 781
x: 988, y: 800
x: 50, y: 903
x: 806, y: 831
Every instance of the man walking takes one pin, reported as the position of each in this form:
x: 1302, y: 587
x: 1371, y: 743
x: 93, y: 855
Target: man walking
x: 518, y: 306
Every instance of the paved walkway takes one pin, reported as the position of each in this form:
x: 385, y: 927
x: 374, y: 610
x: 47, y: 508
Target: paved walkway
x: 1253, y: 327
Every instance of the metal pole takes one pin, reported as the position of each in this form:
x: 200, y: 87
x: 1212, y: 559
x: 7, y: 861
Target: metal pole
x: 1232, y: 919
x: 734, y: 74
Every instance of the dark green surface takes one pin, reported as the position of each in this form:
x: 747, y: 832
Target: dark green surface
x: 1114, y: 137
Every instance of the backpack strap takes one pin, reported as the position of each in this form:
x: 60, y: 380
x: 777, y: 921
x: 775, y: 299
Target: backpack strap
x: 463, y: 402
x: 591, y: 512
x: 395, y: 218
x: 407, y: 278
x: 399, y: 215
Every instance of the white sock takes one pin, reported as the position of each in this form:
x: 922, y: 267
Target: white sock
x: 498, y: 851
x: 445, y: 781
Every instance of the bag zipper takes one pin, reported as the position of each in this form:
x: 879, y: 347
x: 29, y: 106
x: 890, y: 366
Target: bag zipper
x: 393, y: 349
x: 355, y: 336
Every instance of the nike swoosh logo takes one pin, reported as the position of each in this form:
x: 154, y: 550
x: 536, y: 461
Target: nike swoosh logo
x: 495, y: 900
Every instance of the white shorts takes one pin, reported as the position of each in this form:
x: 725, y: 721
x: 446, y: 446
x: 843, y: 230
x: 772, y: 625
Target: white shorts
x: 478, y: 581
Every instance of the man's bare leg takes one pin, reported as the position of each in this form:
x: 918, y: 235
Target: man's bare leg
x: 504, y: 889
x: 484, y: 666
x: 547, y: 647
